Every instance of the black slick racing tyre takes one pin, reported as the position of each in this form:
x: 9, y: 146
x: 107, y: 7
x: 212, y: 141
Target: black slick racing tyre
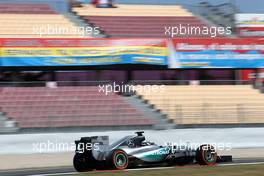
x: 119, y: 159
x: 81, y: 163
x: 206, y: 155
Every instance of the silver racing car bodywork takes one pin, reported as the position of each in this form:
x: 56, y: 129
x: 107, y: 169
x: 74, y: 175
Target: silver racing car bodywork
x: 132, y: 151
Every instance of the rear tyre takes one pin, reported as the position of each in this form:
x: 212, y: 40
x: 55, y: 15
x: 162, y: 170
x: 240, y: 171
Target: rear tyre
x: 81, y: 163
x: 206, y: 155
x: 119, y: 159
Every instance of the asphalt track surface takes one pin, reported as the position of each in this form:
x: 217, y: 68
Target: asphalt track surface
x: 61, y: 171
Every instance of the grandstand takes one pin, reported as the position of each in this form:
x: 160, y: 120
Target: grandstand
x: 83, y: 106
x: 208, y: 104
x: 138, y: 20
x: 20, y: 20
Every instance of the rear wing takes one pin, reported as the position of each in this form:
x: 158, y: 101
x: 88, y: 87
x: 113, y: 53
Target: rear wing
x: 93, y: 144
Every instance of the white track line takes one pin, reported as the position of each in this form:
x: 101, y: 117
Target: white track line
x: 237, y: 164
x: 154, y: 168
x: 56, y: 174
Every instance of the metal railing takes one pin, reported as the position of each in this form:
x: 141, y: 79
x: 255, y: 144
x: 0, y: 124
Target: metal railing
x: 55, y: 83
x: 191, y: 82
x: 221, y: 14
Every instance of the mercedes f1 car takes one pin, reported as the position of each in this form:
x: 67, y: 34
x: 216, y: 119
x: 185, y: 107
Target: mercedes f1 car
x: 133, y: 151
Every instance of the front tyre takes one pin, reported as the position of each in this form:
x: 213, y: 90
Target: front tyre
x: 206, y: 155
x: 119, y: 159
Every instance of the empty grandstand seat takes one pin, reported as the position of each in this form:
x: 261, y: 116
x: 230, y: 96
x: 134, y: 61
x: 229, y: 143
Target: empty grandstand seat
x: 138, y: 20
x: 209, y: 104
x: 26, y: 20
x: 26, y: 8
x: 84, y: 106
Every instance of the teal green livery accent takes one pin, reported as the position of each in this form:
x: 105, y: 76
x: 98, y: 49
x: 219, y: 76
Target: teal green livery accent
x: 156, y: 155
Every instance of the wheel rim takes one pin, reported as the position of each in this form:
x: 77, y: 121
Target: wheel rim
x: 120, y: 160
x: 209, y: 156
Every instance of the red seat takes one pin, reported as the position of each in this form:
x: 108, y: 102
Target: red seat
x: 142, y: 26
x: 40, y: 107
x: 11, y: 8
